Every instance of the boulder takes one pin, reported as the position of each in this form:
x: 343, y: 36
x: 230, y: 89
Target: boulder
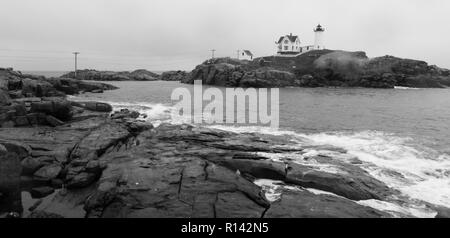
x: 57, y: 107
x: 4, y: 98
x: 21, y: 121
x: 48, y: 172
x: 39, y: 88
x: 21, y: 149
x: 94, y: 106
x: 30, y: 165
x: 41, y: 192
x: 125, y: 113
x: 354, y: 184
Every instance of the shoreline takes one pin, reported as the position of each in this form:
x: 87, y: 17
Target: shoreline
x: 114, y: 165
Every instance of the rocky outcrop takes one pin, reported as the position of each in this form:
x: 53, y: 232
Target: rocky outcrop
x: 10, y: 171
x: 313, y: 206
x: 73, y: 86
x: 323, y: 68
x: 18, y: 85
x: 173, y: 76
x: 119, y: 167
x: 27, y: 100
x: 90, y: 74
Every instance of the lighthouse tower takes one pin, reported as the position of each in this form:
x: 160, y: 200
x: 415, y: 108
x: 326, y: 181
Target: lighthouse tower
x: 318, y: 42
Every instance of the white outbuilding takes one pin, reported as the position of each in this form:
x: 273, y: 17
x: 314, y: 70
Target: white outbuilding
x: 245, y: 55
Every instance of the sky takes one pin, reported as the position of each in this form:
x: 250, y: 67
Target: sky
x: 179, y: 34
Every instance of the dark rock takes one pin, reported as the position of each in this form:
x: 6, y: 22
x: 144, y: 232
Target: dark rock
x: 303, y: 204
x: 237, y: 205
x: 15, y: 84
x: 125, y: 113
x: 443, y: 212
x: 37, y: 119
x: 8, y: 124
x: 82, y: 180
x: 21, y: 149
x: 4, y: 98
x: 39, y: 88
x: 259, y: 169
x: 22, y: 121
x: 93, y: 167
x: 267, y: 78
x: 41, y: 192
x: 31, y: 165
x: 100, y: 139
x: 174, y: 76
x: 94, y: 106
x: 10, y: 171
x: 57, y: 107
x: 57, y: 183
x: 20, y: 110
x: 43, y: 215
x: 52, y: 121
x: 221, y: 74
x: 355, y: 184
x: 48, y: 172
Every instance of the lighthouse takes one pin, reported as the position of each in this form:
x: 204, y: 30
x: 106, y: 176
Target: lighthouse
x: 318, y: 41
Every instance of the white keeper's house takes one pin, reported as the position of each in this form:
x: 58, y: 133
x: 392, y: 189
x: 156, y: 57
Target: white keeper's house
x: 290, y: 45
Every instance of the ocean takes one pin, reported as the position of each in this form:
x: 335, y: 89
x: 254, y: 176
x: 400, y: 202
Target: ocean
x: 402, y: 130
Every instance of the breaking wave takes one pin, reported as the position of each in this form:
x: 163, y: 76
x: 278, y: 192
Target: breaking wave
x: 418, y: 172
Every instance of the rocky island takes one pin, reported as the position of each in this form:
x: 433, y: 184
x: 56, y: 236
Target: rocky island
x: 62, y: 158
x: 90, y: 74
x: 136, y: 75
x: 321, y: 68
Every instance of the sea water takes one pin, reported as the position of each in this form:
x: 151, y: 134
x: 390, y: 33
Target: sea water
x: 402, y: 130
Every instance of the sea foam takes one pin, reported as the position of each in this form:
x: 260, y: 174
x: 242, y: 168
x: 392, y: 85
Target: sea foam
x: 417, y: 172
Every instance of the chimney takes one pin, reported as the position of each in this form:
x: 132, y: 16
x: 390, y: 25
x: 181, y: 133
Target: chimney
x: 291, y: 34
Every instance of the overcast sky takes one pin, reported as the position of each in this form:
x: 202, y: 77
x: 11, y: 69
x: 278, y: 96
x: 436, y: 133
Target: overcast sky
x: 178, y: 34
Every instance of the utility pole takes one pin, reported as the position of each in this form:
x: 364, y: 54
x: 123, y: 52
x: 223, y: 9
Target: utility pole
x: 76, y: 59
x: 238, y: 51
x: 212, y: 51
